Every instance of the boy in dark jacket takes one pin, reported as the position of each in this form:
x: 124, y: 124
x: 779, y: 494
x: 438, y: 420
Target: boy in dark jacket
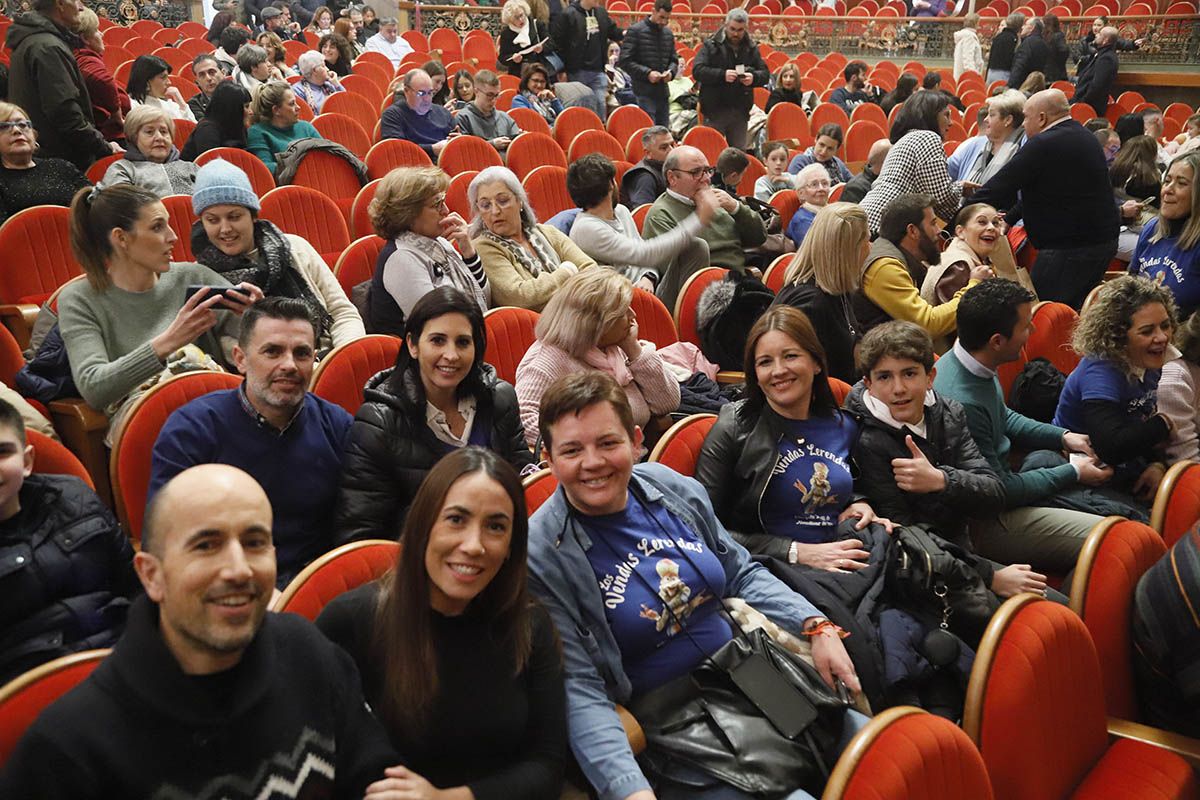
x: 66, y: 569
x: 916, y: 454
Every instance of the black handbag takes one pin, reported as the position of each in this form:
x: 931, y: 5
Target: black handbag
x: 706, y: 721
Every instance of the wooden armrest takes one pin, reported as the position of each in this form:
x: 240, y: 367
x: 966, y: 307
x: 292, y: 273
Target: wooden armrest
x: 730, y: 376
x: 1183, y: 746
x: 637, y: 737
x: 82, y: 429
x: 19, y: 318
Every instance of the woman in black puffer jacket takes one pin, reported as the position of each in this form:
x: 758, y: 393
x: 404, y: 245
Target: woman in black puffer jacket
x: 440, y: 396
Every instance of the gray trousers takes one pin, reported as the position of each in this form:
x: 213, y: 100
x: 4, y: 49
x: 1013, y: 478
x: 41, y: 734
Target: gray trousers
x: 1047, y: 538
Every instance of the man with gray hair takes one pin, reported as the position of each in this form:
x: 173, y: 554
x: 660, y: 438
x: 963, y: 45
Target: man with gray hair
x: 389, y: 42
x: 644, y: 181
x: 728, y: 67
x: 1032, y: 54
x: 1098, y: 72
x: 417, y: 118
x: 481, y: 118
x: 45, y: 81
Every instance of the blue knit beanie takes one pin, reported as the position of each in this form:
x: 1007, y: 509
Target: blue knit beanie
x: 221, y: 183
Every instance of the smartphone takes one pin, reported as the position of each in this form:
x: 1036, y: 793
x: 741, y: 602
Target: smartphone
x: 208, y: 291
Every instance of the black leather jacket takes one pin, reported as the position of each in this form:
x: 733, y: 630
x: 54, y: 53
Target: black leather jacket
x: 391, y: 449
x: 734, y: 466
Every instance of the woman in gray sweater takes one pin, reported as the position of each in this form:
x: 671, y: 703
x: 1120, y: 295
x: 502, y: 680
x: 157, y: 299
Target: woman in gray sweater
x: 122, y: 324
x: 151, y: 157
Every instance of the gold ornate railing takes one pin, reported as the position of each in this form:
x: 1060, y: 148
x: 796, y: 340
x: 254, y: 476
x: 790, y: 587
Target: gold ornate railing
x: 1169, y: 40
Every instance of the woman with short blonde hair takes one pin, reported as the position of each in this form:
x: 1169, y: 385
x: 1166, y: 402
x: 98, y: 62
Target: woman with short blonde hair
x: 823, y: 277
x: 589, y: 324
x: 151, y: 158
x: 24, y: 182
x: 521, y: 40
x: 409, y: 209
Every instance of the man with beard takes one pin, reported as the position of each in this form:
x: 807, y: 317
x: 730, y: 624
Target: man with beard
x: 854, y: 92
x: 416, y: 118
x: 288, y: 439
x: 206, y: 694
x: 895, y: 269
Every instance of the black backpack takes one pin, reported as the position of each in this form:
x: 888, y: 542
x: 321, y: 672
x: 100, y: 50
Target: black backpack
x: 1035, y: 392
x: 727, y: 310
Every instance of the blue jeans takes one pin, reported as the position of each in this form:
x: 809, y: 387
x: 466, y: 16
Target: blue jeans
x: 659, y: 108
x: 855, y: 722
x: 598, y: 83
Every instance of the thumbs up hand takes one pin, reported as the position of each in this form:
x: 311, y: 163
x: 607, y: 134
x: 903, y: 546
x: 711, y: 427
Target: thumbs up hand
x: 916, y: 474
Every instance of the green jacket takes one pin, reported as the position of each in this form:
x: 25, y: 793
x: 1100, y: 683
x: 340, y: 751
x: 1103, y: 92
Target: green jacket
x: 45, y: 81
x: 728, y: 236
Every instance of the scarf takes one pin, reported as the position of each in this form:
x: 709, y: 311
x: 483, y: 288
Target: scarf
x: 522, y: 39
x: 272, y: 270
x: 611, y: 360
x: 988, y: 164
x: 542, y: 107
x: 446, y: 262
x: 133, y: 154
x: 547, y: 259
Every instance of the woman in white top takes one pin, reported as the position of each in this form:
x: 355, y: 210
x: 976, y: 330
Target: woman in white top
x: 150, y: 84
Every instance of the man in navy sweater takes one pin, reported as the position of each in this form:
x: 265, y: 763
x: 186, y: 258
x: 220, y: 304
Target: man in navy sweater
x: 289, y: 440
x: 1065, y: 200
x: 416, y: 118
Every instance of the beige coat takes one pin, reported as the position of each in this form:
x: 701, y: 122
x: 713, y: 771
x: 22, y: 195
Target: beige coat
x: 513, y: 285
x: 347, y: 323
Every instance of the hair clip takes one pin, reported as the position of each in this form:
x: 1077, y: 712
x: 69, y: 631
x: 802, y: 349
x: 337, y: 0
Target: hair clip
x: 91, y: 198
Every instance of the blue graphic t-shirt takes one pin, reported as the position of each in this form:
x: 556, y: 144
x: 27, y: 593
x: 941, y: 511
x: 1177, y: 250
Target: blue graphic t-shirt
x: 1100, y: 379
x: 1165, y: 263
x: 688, y: 582
x: 811, y: 483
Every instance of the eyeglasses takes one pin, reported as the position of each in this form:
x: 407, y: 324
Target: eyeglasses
x: 22, y: 125
x: 817, y: 183
x: 502, y: 203
x: 439, y: 203
x: 699, y: 172
x: 423, y: 92
x: 489, y: 95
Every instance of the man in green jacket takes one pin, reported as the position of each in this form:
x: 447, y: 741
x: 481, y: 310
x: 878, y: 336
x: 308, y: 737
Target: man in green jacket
x: 994, y: 322
x: 734, y: 228
x: 45, y: 81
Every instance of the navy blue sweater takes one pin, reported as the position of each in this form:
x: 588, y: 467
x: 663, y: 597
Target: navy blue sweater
x: 1066, y: 198
x: 299, y: 469
x: 401, y: 122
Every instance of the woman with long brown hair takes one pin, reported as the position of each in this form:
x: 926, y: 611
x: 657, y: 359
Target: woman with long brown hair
x: 462, y: 667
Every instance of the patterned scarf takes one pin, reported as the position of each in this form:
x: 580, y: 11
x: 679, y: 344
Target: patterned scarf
x: 547, y: 260
x: 448, y: 262
x: 272, y: 270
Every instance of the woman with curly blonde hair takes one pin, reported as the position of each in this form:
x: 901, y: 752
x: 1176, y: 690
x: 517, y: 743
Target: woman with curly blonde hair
x: 1125, y: 339
x: 409, y: 210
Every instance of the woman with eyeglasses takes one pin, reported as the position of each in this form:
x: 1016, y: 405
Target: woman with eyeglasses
x: 525, y: 262
x: 25, y: 183
x: 151, y: 158
x: 317, y: 82
x: 812, y: 187
x: 409, y: 210
x: 537, y: 93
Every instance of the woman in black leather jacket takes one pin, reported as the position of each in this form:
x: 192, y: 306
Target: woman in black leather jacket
x: 440, y: 396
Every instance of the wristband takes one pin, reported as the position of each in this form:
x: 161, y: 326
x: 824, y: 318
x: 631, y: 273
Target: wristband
x: 819, y: 627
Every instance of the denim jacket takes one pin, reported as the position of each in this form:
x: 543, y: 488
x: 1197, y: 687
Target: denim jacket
x: 562, y: 578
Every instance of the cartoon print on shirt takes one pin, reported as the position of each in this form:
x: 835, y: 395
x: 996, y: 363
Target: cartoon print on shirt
x: 677, y: 597
x: 817, y: 493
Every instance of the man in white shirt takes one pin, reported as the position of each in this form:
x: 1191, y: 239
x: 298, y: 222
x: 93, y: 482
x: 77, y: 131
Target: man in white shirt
x: 388, y: 41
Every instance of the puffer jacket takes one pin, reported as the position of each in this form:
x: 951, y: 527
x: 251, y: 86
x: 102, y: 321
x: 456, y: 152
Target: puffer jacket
x: 734, y: 466
x: 391, y: 449
x: 972, y: 488
x: 44, y: 79
x: 715, y: 57
x: 648, y: 47
x: 66, y: 575
x: 968, y: 55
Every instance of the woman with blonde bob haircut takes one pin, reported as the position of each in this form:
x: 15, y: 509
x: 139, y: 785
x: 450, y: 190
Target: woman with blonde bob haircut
x: 278, y: 122
x: 823, y: 277
x: 409, y: 210
x: 589, y: 325
x: 151, y: 158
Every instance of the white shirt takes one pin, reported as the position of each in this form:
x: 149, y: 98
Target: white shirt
x: 973, y: 364
x: 436, y: 420
x: 173, y: 109
x: 396, y: 50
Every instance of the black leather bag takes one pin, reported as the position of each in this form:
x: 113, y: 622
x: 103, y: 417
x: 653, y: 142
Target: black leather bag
x: 936, y: 580
x: 704, y: 722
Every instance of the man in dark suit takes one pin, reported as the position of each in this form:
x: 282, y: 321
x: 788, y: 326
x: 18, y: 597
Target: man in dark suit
x: 1065, y: 200
x: 1032, y: 53
x: 1098, y: 72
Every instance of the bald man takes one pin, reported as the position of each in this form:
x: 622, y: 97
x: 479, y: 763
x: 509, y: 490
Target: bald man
x: 858, y: 186
x: 1098, y: 72
x: 1058, y: 184
x: 206, y: 694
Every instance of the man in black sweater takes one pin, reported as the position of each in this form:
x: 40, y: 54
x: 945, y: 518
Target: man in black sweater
x: 1098, y: 72
x: 1032, y: 54
x: 1066, y: 200
x: 582, y: 33
x: 207, y: 695
x: 648, y: 55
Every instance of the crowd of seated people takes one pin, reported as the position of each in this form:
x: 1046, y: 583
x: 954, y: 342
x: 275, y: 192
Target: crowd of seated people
x: 507, y: 636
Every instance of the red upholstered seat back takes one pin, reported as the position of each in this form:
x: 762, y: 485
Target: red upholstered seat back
x: 624, y: 120
x: 182, y: 217
x: 37, y: 254
x: 841, y: 390
x: 689, y: 298
x: 308, y: 213
x: 23, y: 699
x: 709, y: 141
x: 360, y: 219
x: 334, y: 180
x: 1118, y: 552
x: 1053, y: 324
x: 260, y: 177
x: 341, y: 375
x: 547, y: 190
x: 788, y: 121
x: 679, y: 447
x: 1041, y: 722
x: 130, y: 462
x: 653, y: 318
x: 345, y: 130
x: 531, y: 150
x: 538, y: 489
x: 509, y: 335
x: 338, y: 571
x: 357, y: 262
x: 1177, y: 505
x: 361, y: 108
x: 464, y: 153
x: 530, y: 121
x: 52, y: 458
x: 574, y: 121
x: 385, y: 156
